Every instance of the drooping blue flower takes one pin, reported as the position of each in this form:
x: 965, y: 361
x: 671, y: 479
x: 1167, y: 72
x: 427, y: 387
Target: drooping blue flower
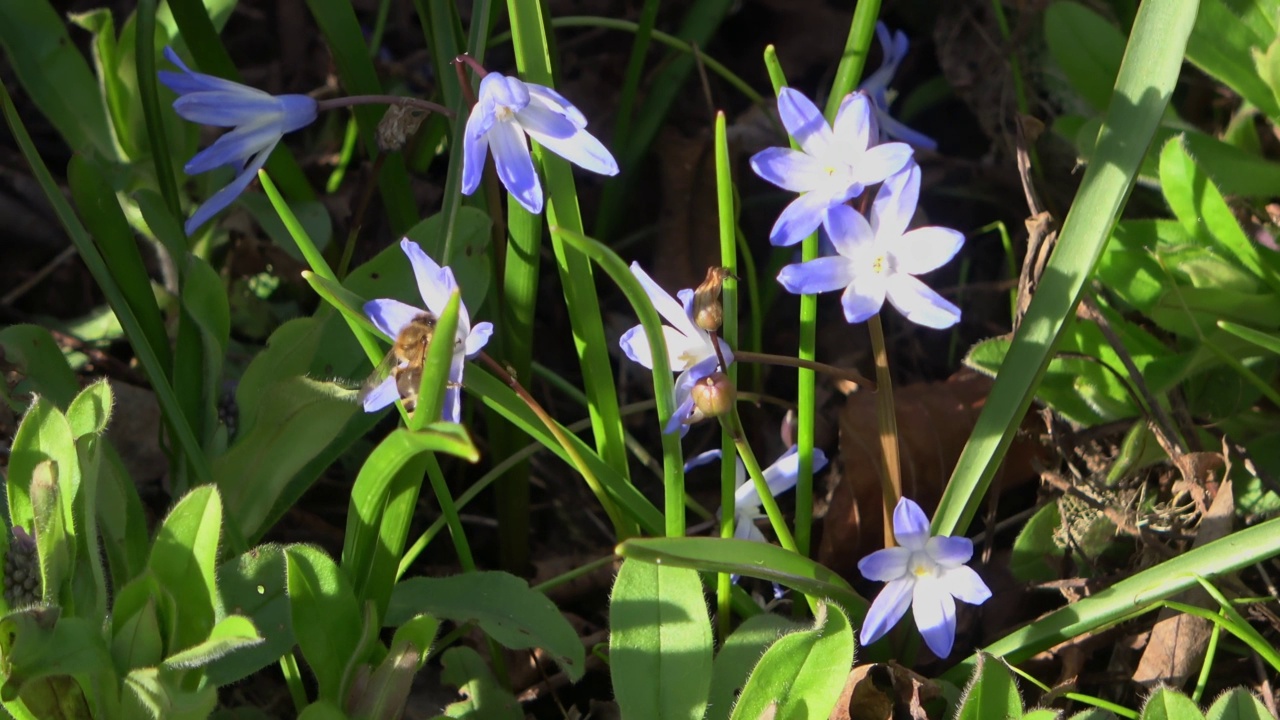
x: 894, y: 44
x: 435, y: 284
x: 259, y: 120
x: 880, y: 258
x: 506, y: 110
x: 689, y: 348
x: 833, y: 164
x: 927, y: 574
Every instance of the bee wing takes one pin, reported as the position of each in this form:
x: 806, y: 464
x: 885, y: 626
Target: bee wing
x: 379, y: 374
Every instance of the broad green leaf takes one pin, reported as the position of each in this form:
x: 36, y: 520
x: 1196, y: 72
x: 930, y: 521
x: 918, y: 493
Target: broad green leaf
x: 122, y: 523
x: 254, y: 585
x: 184, y: 559
x: 384, y: 692
x: 298, y: 418
x: 53, y: 532
x: 991, y: 692
x: 1237, y: 704
x: 368, y: 555
x: 1087, y: 47
x: 326, y: 617
x: 136, y: 638
x: 1094, y: 714
x: 1043, y: 714
x: 420, y: 632
x: 1036, y: 557
x: 323, y: 710
x: 43, y: 435
x: 504, y: 607
x: 486, y: 698
x: 35, y: 40
x: 752, y: 559
x: 36, y: 643
x: 1166, y: 704
x: 161, y: 692
x: 41, y: 361
x: 739, y: 653
x: 1221, y: 44
x: 89, y: 413
x: 659, y: 641
x: 311, y: 213
x: 232, y: 633
x: 802, y: 674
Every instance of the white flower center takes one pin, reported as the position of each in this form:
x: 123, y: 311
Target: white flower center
x: 502, y: 113
x: 922, y: 566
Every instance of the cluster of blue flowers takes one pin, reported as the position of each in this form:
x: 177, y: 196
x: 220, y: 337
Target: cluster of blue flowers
x: 877, y: 258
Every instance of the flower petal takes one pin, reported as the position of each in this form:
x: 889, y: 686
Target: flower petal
x: 477, y: 338
x: 744, y: 528
x: 895, y: 203
x: 935, y: 613
x: 881, y: 161
x: 683, y: 410
x: 863, y: 298
x: 582, y: 149
x: 964, y: 583
x: 635, y: 344
x: 435, y: 285
x: 853, y: 129
x: 703, y: 458
x: 925, y: 249
x: 227, y: 108
x: 887, y: 609
x: 890, y: 127
x: 557, y: 102
x: 949, y: 551
x: 804, y: 122
x: 234, y: 148
x: 224, y: 197
x: 886, y: 565
x: 381, y: 396
x: 666, y: 305
x: 390, y: 316
x: 538, y: 119
x: 789, y: 169
x: 849, y: 232
x: 452, y: 405
x: 910, y: 525
x: 817, y: 276
x: 189, y: 81
x: 799, y: 219
x: 515, y: 166
x: 921, y: 305
x: 475, y: 147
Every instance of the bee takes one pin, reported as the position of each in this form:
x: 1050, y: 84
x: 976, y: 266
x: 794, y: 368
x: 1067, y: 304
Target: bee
x: 404, y: 361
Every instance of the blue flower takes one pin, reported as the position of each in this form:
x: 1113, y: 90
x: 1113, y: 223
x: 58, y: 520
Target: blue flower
x: 879, y: 259
x: 832, y: 165
x: 689, y: 348
x: 926, y: 573
x: 781, y: 476
x: 435, y: 284
x: 876, y: 85
x: 259, y: 118
x: 505, y: 112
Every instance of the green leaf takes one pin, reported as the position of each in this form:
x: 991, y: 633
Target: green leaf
x: 35, y: 643
x: 486, y: 698
x: 323, y: 710
x: 43, y: 435
x: 232, y: 633
x: 184, y: 559
x: 1237, y: 704
x: 802, y: 674
x: 738, y: 655
x: 162, y: 694
x: 326, y: 618
x: 1221, y: 44
x: 137, y: 638
x: 1036, y: 557
x: 35, y: 39
x: 752, y: 559
x: 55, y: 541
x: 311, y: 214
x: 503, y: 605
x: 1267, y: 341
x: 659, y: 641
x: 1166, y: 704
x: 122, y: 523
x: 298, y: 418
x: 254, y: 584
x: 1094, y: 714
x: 41, y: 361
x: 991, y: 692
x: 1087, y: 47
x: 89, y: 413
x: 1042, y: 714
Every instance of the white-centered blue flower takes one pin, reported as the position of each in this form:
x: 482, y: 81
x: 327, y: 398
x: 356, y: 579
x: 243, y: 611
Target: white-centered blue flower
x: 259, y: 120
x: 927, y: 574
x: 833, y: 164
x: 781, y: 476
x: 894, y: 45
x: 690, y: 351
x: 506, y: 110
x: 435, y: 284
x: 880, y: 259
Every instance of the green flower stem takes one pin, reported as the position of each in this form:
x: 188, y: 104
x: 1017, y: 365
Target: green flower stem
x: 728, y: 221
x: 534, y: 62
x: 733, y: 426
x: 293, y: 680
x: 890, y: 465
x: 620, y: 526
x: 745, y: 356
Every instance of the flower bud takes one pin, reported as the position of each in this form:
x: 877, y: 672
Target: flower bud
x: 708, y: 313
x: 21, y: 570
x: 713, y: 396
x: 397, y: 125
